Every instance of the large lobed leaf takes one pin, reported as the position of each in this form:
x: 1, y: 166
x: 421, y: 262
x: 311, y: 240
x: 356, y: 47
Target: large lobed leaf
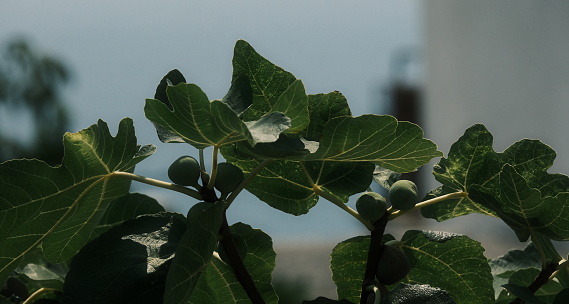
x: 58, y: 207
x: 452, y: 262
x: 513, y: 185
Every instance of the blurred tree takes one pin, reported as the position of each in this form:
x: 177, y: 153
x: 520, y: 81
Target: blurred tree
x: 30, y: 84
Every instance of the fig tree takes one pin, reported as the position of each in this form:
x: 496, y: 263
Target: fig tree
x: 392, y: 266
x: 228, y: 177
x: 403, y: 195
x: 185, y: 171
x: 371, y: 206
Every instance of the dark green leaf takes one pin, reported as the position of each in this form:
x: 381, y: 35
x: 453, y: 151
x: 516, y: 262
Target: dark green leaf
x: 126, y: 264
x: 451, y: 262
x: 194, y: 251
x: 523, y: 208
x: 194, y: 119
x: 173, y: 77
x: 348, y: 265
x: 59, y: 207
x: 385, y: 177
x: 218, y: 283
x: 562, y: 297
x: 284, y: 185
x: 463, y: 167
x: 523, y: 278
x: 323, y: 300
x: 513, y: 184
x: 523, y: 293
x: 125, y: 208
x: 323, y: 108
x: 418, y: 294
x: 240, y: 96
x: 513, y: 260
x: 273, y: 89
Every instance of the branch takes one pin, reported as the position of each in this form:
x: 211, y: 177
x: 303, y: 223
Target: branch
x: 241, y: 273
x: 157, y: 183
x: 438, y: 199
x: 541, y: 279
x: 373, y: 254
x: 247, y: 180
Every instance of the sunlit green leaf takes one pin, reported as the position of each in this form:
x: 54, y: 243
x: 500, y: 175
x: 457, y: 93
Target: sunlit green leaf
x: 380, y: 139
x: 59, y: 207
x: 451, y: 262
x: 418, y: 294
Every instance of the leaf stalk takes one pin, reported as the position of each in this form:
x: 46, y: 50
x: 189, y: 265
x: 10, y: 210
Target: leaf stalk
x: 395, y: 214
x: 157, y: 183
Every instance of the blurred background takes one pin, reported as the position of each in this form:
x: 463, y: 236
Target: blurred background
x: 443, y: 64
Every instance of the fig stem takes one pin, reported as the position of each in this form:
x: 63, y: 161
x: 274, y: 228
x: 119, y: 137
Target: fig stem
x: 247, y: 180
x: 334, y: 200
x: 213, y: 176
x: 38, y: 293
x: 374, y: 252
x: 563, y: 264
x: 157, y: 183
x: 541, y: 279
x: 241, y: 273
x: 438, y: 199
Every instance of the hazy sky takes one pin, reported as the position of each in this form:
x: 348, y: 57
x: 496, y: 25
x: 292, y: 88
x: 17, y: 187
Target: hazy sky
x: 119, y: 51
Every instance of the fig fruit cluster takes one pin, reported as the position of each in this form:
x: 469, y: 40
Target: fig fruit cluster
x: 186, y: 171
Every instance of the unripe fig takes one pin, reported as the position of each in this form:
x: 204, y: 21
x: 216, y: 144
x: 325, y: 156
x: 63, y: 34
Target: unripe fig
x: 228, y: 177
x: 403, y: 195
x: 185, y: 171
x: 393, y: 265
x: 371, y: 206
x: 240, y: 244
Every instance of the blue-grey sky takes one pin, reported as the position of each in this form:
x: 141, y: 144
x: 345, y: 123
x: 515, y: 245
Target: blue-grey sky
x: 118, y: 52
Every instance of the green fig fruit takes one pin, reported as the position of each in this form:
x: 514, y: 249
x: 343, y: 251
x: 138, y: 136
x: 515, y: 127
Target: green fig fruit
x: 185, y: 171
x: 392, y: 266
x: 403, y: 195
x: 228, y: 177
x: 371, y: 206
